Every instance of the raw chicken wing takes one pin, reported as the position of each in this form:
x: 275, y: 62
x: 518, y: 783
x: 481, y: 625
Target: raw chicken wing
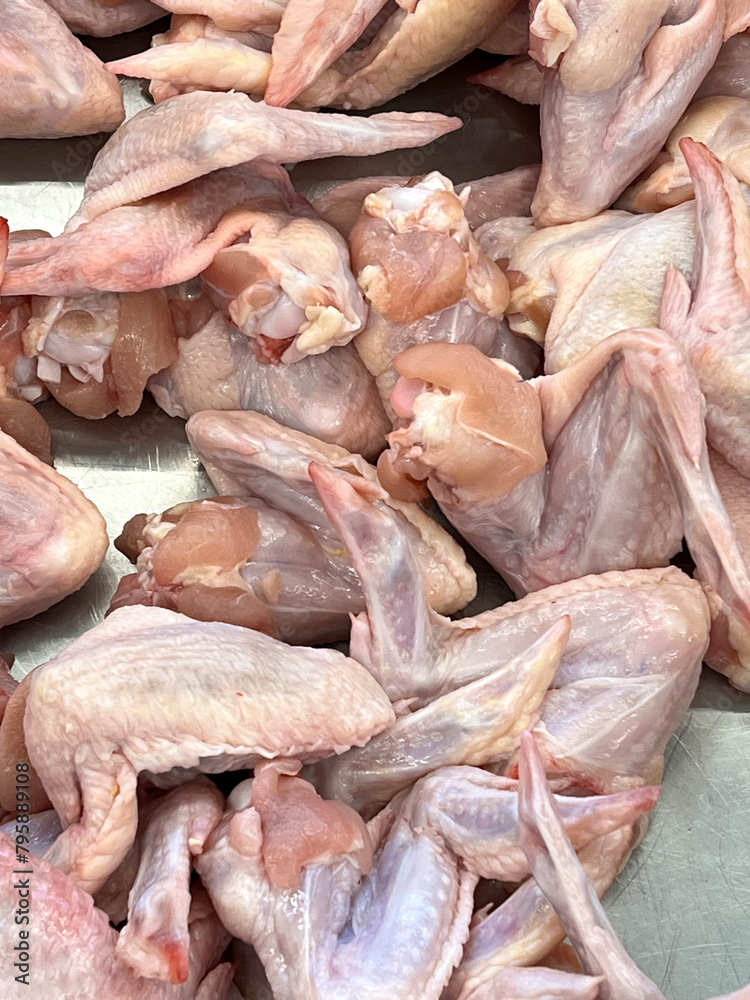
x: 52, y: 84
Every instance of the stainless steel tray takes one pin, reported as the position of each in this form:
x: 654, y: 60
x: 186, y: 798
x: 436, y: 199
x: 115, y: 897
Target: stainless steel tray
x: 682, y: 905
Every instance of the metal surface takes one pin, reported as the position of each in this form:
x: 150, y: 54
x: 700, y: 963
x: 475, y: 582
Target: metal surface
x: 682, y: 905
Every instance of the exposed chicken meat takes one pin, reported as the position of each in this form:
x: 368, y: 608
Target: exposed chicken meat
x: 162, y: 240
x: 251, y: 456
x: 329, y: 396
x: 242, y: 696
x: 51, y: 537
x: 96, y: 353
x: 637, y: 639
x: 289, y: 288
x: 506, y: 194
x: 638, y: 382
x: 424, y: 276
x: 52, y: 84
x: 618, y: 78
x: 21, y: 421
x: 723, y: 124
x: 73, y: 945
x: 354, y: 922
x: 90, y: 17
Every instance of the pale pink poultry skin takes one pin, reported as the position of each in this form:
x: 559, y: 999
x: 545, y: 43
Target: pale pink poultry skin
x: 90, y: 17
x: 53, y: 85
x: 411, y: 46
x: 525, y: 928
x: 423, y: 275
x: 720, y: 123
x: 254, y: 14
x: 329, y: 396
x: 162, y: 240
x: 198, y: 28
x: 618, y: 695
x: 175, y: 142
x: 155, y: 942
x: 311, y: 36
x: 520, y: 520
x: 75, y: 945
x: 404, y: 922
x: 618, y: 78
x: 257, y: 699
x: 574, y: 285
x: 710, y: 318
x: 51, y: 537
x: 565, y: 883
x: 270, y: 560
x: 562, y: 879
x: 521, y: 78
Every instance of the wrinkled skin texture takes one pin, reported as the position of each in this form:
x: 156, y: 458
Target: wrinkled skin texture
x: 637, y: 639
x: 155, y: 942
x: 723, y: 125
x: 637, y: 381
x: 162, y: 240
x: 88, y: 17
x: 611, y: 97
x: 412, y: 46
x: 228, y: 671
x: 76, y: 949
x: 289, y: 288
x: 96, y: 353
x: 311, y: 35
x: 53, y: 85
x: 424, y: 276
x: 271, y: 560
x: 406, y: 918
x: 711, y: 317
x: 175, y: 142
x: 574, y: 285
x: 51, y: 537
x: 329, y: 396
